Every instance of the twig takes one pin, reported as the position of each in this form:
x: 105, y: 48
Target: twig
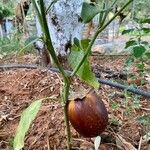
x: 36, y: 139
x: 140, y: 143
x: 48, y: 144
x: 102, y: 81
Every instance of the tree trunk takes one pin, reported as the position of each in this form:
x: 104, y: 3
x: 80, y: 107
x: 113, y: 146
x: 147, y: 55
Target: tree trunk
x: 64, y: 25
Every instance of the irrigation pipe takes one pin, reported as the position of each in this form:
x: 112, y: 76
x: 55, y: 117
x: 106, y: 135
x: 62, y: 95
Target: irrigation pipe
x: 102, y: 81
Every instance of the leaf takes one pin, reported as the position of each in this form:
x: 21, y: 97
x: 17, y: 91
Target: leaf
x: 138, y: 51
x: 121, y: 142
x: 130, y: 43
x: 146, y: 21
x: 27, y: 117
x: 127, y: 31
x: 97, y: 142
x: 145, y: 43
x: 76, y: 42
x: 84, y: 44
x: 84, y: 72
x: 147, y: 54
x: 89, y: 11
x: 146, y: 30
x: 27, y: 44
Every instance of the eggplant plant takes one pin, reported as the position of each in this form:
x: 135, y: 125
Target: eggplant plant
x: 77, y: 58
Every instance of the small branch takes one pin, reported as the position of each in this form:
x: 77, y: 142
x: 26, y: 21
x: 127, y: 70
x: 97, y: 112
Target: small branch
x: 102, y: 81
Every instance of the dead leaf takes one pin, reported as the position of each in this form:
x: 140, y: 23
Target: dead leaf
x: 124, y: 144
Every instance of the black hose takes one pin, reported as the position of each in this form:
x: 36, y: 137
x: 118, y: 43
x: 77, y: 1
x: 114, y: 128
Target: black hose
x: 125, y: 87
x: 102, y: 81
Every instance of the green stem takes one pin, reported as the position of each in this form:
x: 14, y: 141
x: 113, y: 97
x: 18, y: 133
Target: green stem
x: 99, y: 30
x: 66, y: 118
x: 50, y: 5
x: 101, y: 15
x: 106, y: 13
x: 47, y: 39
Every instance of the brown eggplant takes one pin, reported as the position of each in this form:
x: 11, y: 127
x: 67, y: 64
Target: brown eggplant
x: 88, y: 115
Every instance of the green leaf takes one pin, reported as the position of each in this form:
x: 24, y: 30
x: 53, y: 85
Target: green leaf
x: 89, y: 11
x: 147, y: 54
x: 127, y: 31
x: 145, y: 43
x: 146, y: 21
x: 84, y: 44
x: 76, y: 42
x: 138, y: 51
x: 140, y: 66
x: 130, y: 43
x: 146, y: 30
x: 27, y: 117
x: 84, y: 72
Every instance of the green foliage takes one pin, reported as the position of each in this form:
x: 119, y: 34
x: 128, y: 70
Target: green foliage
x: 142, y: 8
x: 145, y: 121
x: 139, y: 8
x: 89, y: 11
x: 114, y: 121
x: 130, y: 43
x: 28, y: 44
x: 138, y: 48
x: 127, y: 31
x: 77, y: 53
x: 16, y: 43
x: 4, y: 11
x: 27, y: 117
x: 138, y: 51
x: 8, y: 45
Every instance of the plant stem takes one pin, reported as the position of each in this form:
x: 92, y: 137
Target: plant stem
x: 99, y: 30
x: 66, y: 119
x: 48, y: 42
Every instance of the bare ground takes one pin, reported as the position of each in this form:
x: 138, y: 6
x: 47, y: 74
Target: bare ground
x: 20, y: 87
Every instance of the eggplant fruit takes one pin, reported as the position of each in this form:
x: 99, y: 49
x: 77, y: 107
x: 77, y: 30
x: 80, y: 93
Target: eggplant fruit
x: 88, y: 115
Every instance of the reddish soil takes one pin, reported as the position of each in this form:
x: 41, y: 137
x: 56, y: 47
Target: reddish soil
x: 20, y: 87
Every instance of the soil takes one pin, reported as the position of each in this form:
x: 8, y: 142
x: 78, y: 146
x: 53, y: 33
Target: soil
x: 20, y: 87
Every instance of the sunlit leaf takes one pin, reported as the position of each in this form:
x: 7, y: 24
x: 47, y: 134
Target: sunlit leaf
x: 84, y: 72
x: 27, y: 117
x: 89, y: 11
x: 147, y: 54
x: 84, y: 44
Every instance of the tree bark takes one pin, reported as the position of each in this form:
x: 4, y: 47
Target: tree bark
x: 64, y: 25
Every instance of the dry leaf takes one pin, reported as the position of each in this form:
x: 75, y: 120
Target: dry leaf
x: 124, y: 144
